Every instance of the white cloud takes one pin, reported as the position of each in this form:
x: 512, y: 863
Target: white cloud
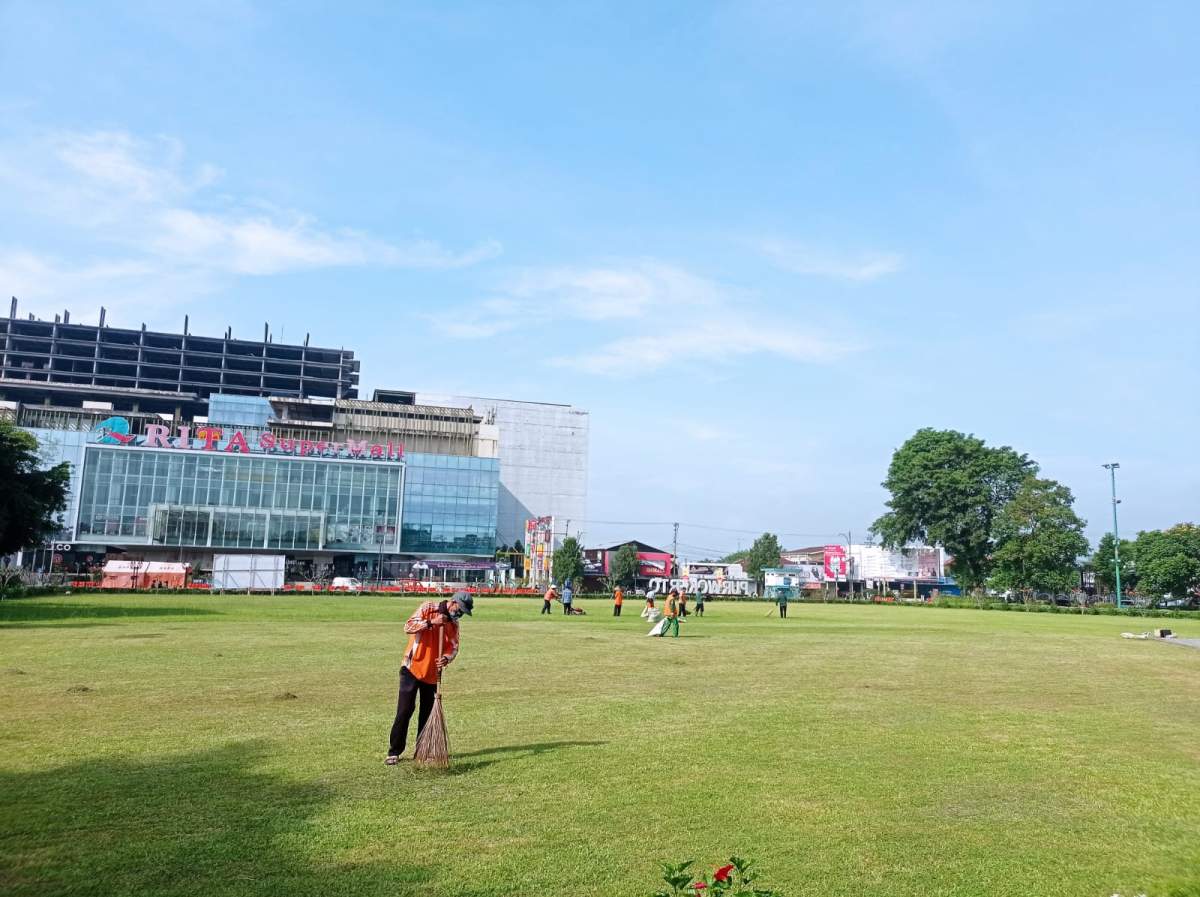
x: 606, y: 293
x: 153, y: 218
x: 641, y: 316
x: 719, y: 338
x: 803, y: 258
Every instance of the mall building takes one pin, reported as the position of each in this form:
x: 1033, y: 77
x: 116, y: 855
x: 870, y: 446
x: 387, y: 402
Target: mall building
x: 182, y: 447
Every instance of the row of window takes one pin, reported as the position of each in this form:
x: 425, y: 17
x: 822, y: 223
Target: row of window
x: 251, y: 502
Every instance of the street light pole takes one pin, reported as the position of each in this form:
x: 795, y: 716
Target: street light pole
x: 382, y: 512
x: 849, y: 563
x: 1112, y: 472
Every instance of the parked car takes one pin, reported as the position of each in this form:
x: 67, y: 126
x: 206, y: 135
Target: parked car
x: 345, y: 584
x: 1188, y: 603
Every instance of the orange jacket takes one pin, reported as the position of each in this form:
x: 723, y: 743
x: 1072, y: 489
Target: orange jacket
x: 618, y: 597
x: 671, y: 608
x: 421, y: 657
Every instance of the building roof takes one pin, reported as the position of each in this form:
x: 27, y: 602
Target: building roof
x: 641, y: 547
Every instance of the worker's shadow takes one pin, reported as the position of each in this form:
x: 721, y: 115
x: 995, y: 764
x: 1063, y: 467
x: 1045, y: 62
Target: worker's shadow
x: 475, y: 760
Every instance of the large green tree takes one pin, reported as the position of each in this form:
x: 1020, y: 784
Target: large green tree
x: 1039, y: 539
x: 1168, y: 561
x: 568, y: 561
x: 764, y: 552
x: 947, y: 488
x: 624, y: 566
x: 31, y: 497
x: 1105, y: 568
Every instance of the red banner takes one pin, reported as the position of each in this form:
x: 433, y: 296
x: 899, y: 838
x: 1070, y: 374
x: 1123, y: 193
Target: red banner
x: 835, y: 562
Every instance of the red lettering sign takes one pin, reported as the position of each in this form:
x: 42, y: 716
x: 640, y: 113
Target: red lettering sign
x: 212, y: 439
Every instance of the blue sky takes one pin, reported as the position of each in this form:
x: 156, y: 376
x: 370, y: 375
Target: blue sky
x: 761, y: 243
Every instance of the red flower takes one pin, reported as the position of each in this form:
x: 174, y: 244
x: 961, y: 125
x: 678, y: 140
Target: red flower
x: 722, y: 874
x: 698, y: 886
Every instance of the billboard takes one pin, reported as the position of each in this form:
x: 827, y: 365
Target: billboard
x: 654, y: 564
x: 539, y: 549
x: 835, y: 562
x: 915, y: 563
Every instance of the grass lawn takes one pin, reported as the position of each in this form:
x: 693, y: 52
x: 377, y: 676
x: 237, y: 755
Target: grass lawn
x: 233, y: 746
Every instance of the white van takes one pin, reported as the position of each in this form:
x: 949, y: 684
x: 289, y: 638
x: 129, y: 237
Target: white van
x: 345, y: 584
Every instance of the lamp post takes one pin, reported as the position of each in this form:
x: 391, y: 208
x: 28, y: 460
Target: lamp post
x: 1112, y: 472
x: 382, y: 536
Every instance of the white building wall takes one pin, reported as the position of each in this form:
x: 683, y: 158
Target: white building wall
x: 543, y: 461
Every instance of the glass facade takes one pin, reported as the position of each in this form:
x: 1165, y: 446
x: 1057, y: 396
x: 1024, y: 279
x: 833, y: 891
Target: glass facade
x: 221, y: 500
x: 543, y: 460
x: 141, y: 496
x: 450, y: 505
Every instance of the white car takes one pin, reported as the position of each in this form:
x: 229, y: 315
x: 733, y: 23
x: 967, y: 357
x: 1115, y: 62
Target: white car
x: 345, y: 584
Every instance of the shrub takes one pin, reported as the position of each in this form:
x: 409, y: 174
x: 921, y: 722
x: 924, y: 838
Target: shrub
x: 735, y: 879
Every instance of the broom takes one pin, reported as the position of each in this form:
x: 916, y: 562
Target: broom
x: 433, y: 747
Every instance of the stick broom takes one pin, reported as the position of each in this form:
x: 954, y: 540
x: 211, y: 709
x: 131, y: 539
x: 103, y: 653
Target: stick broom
x: 433, y: 746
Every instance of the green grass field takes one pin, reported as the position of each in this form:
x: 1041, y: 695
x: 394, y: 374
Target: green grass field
x: 149, y: 746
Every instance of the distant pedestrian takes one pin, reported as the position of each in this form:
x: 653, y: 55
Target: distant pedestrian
x: 699, y: 604
x: 618, y: 600
x: 568, y: 595
x: 783, y: 603
x: 550, y: 596
x: 682, y: 602
x: 671, y: 615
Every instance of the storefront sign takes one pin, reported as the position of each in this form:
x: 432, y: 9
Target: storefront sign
x: 701, y: 585
x: 209, y: 438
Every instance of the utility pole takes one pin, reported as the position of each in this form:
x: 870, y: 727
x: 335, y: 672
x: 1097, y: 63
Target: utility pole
x: 1112, y: 472
x: 675, y: 551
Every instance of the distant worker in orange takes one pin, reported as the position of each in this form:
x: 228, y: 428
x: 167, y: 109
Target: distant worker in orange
x: 548, y: 598
x: 671, y: 615
x: 618, y: 600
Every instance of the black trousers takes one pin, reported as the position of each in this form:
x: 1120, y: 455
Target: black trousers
x: 545, y: 607
x: 699, y: 610
x: 410, y: 687
x: 782, y: 611
x: 566, y: 608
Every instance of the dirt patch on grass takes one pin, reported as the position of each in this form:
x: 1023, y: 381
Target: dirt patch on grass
x: 286, y: 696
x: 13, y: 671
x: 79, y: 690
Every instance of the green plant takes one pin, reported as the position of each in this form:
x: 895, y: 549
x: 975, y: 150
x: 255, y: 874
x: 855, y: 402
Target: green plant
x: 736, y: 879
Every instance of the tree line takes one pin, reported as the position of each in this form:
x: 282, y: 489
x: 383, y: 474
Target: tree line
x: 1008, y: 528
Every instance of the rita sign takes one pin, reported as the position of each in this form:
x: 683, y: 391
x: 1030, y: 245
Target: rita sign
x: 209, y: 438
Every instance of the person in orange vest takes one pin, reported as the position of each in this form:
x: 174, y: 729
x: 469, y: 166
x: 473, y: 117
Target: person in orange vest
x: 683, y: 601
x: 671, y: 615
x: 618, y: 600
x: 547, y: 598
x: 434, y: 623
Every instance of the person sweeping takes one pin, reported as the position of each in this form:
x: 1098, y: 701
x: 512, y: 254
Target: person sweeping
x: 433, y: 639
